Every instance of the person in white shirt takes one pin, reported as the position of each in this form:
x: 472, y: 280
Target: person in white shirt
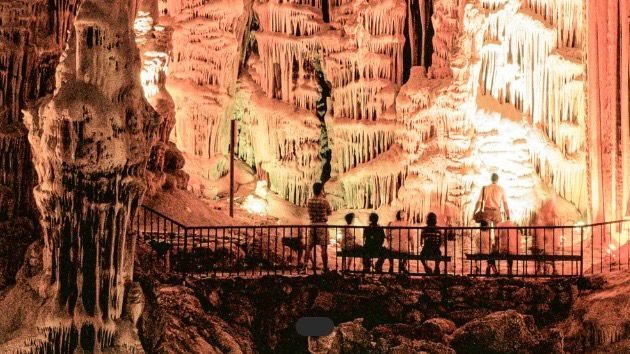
x: 492, y: 199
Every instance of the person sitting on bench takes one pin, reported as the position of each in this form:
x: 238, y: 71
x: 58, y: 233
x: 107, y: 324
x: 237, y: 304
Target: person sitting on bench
x: 509, y: 241
x: 348, y: 241
x: 401, y: 240
x: 374, y: 236
x: 431, y: 240
x: 545, y: 240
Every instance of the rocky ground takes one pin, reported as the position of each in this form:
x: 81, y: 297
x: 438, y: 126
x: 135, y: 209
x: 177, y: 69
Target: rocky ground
x: 382, y: 315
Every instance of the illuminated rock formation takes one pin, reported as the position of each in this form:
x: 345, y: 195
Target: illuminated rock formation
x: 154, y: 40
x: 90, y: 142
x: 281, y: 141
x: 437, y: 93
x: 440, y: 92
x: 505, y: 93
x: 208, y: 38
x: 609, y: 107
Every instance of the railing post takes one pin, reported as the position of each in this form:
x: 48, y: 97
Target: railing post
x: 184, y: 256
x: 582, y: 251
x: 445, y: 250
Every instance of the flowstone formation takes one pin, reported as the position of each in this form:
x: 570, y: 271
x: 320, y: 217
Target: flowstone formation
x: 90, y: 142
x: 609, y: 108
x: 427, y: 99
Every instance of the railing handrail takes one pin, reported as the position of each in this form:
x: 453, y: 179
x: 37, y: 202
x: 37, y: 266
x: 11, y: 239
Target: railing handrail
x: 266, y: 249
x: 165, y: 217
x: 409, y: 227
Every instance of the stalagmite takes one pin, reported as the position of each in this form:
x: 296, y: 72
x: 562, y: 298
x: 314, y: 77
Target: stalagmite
x: 90, y: 142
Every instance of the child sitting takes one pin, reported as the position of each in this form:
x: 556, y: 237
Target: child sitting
x: 431, y: 240
x: 348, y: 241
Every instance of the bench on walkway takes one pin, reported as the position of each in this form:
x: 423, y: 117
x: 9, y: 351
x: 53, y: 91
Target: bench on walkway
x: 359, y: 253
x: 522, y: 257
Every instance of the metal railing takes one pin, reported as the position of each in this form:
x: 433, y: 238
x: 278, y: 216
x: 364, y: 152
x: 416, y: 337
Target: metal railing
x: 523, y: 251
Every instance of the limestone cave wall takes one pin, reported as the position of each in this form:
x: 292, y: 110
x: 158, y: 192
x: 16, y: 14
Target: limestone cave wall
x: 427, y: 99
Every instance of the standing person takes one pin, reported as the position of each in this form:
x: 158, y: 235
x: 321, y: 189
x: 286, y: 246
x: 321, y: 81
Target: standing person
x: 431, y: 241
x: 348, y: 241
x: 374, y: 237
x: 509, y: 241
x: 401, y: 240
x: 546, y: 242
x: 490, y: 201
x: 318, y: 211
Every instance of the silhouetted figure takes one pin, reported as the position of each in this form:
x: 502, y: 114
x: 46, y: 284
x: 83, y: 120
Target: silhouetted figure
x: 162, y: 249
x: 401, y: 240
x: 509, y: 241
x: 545, y: 239
x: 318, y: 211
x: 431, y: 241
x: 348, y: 241
x: 491, y: 199
x: 374, y: 237
x: 296, y: 244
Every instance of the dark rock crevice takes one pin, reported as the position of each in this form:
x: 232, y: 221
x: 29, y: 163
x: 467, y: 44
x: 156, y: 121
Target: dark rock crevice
x: 325, y: 152
x: 419, y: 31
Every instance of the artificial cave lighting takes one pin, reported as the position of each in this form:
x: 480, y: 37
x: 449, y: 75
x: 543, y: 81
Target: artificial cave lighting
x: 255, y: 205
x: 395, y: 105
x: 256, y: 202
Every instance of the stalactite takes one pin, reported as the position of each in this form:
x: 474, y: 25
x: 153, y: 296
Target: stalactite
x: 281, y: 142
x: 419, y: 34
x: 566, y: 16
x: 207, y: 46
x: 376, y: 183
x: 358, y: 143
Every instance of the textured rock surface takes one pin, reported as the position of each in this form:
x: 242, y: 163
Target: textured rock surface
x: 269, y: 307
x: 427, y: 98
x: 500, y: 332
x: 17, y: 235
x: 32, y: 37
x: 260, y: 314
x: 609, y: 107
x: 90, y: 141
x: 350, y: 337
x: 177, y: 323
x: 600, y: 319
x: 435, y: 329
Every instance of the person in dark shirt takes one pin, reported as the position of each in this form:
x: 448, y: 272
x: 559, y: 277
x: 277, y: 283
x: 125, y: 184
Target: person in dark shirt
x: 431, y: 240
x: 374, y: 237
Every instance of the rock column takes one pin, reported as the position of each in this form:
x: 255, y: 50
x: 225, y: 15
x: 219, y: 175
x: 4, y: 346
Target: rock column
x: 90, y: 143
